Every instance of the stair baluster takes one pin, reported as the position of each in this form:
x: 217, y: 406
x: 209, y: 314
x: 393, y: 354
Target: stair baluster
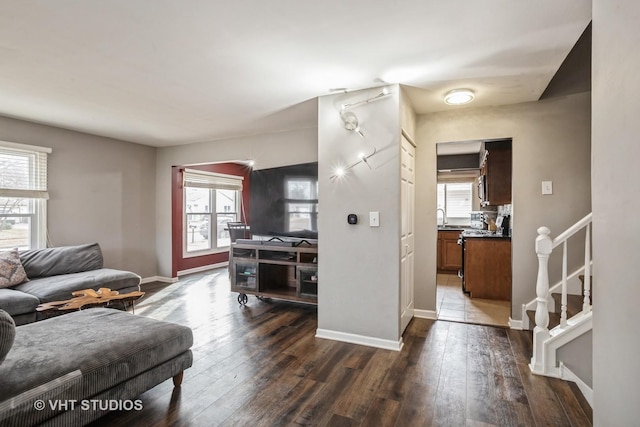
x: 586, y: 305
x: 541, y: 331
x: 563, y: 312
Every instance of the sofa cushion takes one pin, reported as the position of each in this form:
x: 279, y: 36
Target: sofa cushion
x: 7, y: 334
x: 16, y: 302
x: 61, y: 260
x: 107, y: 346
x: 59, y: 288
x: 11, y: 270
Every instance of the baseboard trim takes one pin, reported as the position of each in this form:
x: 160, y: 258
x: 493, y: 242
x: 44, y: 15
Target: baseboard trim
x: 360, y: 339
x: 158, y: 279
x: 425, y: 314
x: 567, y: 374
x: 203, y: 268
x: 516, y: 324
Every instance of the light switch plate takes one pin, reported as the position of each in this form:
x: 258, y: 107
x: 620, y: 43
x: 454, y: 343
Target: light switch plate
x: 374, y: 219
x: 547, y: 187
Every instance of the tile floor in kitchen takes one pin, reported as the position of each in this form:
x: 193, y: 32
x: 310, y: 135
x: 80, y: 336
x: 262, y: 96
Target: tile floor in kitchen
x: 455, y: 305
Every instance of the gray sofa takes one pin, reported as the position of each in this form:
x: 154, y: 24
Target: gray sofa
x: 54, y: 273
x: 72, y: 369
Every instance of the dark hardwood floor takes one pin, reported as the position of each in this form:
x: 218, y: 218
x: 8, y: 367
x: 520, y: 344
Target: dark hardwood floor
x: 261, y: 365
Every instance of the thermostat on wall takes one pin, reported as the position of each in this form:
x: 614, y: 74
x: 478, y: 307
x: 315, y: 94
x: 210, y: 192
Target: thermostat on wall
x: 352, y: 219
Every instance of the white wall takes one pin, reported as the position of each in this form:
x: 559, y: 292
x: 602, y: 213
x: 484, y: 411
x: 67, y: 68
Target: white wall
x: 101, y: 190
x: 546, y: 134
x: 359, y: 265
x: 616, y: 203
x: 270, y: 150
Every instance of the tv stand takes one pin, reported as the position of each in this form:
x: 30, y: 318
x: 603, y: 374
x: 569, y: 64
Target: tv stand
x: 271, y: 269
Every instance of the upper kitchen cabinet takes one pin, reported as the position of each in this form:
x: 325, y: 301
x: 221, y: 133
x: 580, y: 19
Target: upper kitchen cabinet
x: 494, y: 183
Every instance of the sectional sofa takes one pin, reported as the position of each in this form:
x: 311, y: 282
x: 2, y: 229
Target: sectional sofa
x: 52, y: 274
x: 70, y: 370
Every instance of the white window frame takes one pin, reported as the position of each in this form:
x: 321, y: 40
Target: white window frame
x: 460, y: 219
x: 36, y: 191
x: 213, y: 182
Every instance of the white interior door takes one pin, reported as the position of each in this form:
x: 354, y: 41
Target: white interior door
x: 407, y: 207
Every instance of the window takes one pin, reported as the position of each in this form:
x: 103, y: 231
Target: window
x: 456, y: 200
x: 301, y: 204
x: 23, y: 196
x: 209, y: 198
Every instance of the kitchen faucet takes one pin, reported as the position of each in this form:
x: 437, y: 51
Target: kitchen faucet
x: 444, y: 215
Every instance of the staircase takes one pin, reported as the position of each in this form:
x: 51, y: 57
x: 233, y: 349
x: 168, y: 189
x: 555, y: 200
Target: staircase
x: 559, y: 314
x: 574, y: 306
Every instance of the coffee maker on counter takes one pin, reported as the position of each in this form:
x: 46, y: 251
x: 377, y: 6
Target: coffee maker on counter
x: 503, y: 224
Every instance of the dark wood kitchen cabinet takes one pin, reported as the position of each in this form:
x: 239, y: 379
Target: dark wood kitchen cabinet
x: 449, y: 252
x: 495, y: 174
x: 487, y: 267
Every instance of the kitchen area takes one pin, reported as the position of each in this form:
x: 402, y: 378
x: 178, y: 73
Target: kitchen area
x: 475, y: 220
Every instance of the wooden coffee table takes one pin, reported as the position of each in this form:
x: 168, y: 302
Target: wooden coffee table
x: 86, y: 298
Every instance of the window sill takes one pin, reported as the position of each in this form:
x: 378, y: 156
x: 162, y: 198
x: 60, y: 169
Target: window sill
x: 205, y: 253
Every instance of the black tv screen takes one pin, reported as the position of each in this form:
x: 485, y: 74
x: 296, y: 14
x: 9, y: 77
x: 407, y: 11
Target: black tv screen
x: 283, y: 201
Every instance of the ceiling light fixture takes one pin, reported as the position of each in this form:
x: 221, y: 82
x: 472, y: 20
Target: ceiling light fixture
x: 350, y: 121
x: 459, y: 97
x: 384, y: 92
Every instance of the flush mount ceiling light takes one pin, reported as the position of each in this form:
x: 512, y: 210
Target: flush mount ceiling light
x: 459, y: 97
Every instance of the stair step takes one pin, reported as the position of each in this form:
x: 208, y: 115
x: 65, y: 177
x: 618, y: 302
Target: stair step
x: 554, y: 319
x: 574, y: 306
x: 574, y: 303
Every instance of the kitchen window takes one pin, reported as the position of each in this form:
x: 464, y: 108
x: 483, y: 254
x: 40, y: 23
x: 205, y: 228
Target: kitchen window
x: 23, y: 196
x: 210, y: 202
x: 456, y: 199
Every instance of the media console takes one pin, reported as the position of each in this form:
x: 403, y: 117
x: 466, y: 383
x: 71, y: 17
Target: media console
x: 274, y: 269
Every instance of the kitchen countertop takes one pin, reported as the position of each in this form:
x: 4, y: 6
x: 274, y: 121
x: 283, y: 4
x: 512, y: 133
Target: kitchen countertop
x: 483, y: 234
x: 469, y: 232
x: 453, y: 228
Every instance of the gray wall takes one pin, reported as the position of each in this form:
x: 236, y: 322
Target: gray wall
x: 551, y: 141
x: 359, y: 266
x: 101, y: 190
x: 616, y: 229
x: 270, y: 150
x: 578, y: 357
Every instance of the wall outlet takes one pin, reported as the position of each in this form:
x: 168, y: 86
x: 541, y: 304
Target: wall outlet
x: 374, y: 219
x: 547, y: 187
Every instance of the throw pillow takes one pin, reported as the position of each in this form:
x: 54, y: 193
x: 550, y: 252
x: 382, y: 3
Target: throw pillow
x: 11, y: 271
x: 7, y: 334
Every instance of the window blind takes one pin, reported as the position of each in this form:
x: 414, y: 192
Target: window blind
x: 458, y: 200
x: 23, y: 172
x: 203, y: 179
x: 455, y: 198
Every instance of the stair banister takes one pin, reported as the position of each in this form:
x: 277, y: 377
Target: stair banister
x: 543, y: 362
x: 541, y: 330
x: 564, y: 236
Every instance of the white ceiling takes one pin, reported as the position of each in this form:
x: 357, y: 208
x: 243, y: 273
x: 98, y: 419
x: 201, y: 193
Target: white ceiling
x: 166, y: 72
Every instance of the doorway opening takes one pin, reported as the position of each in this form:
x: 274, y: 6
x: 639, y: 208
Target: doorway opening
x: 474, y: 219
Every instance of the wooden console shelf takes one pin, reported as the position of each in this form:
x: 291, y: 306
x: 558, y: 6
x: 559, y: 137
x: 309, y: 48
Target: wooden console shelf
x: 274, y: 271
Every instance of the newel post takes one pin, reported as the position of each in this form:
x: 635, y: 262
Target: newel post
x: 544, y: 246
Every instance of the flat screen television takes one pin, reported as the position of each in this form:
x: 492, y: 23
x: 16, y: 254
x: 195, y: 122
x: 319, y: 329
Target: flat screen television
x: 283, y: 201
